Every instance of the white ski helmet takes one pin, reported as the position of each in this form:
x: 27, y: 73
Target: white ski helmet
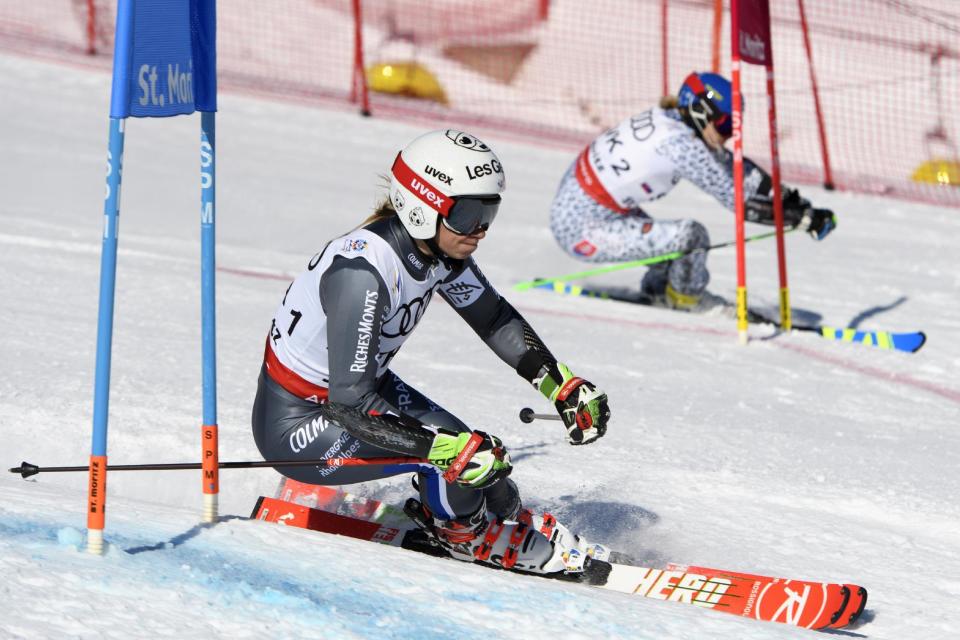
x: 450, y: 175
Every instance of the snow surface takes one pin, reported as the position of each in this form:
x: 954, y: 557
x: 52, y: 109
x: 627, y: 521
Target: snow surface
x: 792, y: 456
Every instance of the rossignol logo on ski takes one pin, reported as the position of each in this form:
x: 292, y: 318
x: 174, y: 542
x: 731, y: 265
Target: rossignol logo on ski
x: 798, y: 604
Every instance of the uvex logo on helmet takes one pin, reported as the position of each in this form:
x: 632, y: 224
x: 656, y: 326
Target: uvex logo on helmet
x: 419, y: 187
x: 427, y: 194
x: 439, y: 175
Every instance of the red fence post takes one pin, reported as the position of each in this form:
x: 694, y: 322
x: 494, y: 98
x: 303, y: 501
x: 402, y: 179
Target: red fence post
x: 717, y: 32
x: 821, y: 128
x: 544, y: 10
x: 664, y: 44
x: 91, y: 27
x: 358, y: 90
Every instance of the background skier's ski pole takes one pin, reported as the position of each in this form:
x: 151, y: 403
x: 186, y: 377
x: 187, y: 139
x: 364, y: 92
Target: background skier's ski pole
x: 527, y: 415
x: 675, y: 255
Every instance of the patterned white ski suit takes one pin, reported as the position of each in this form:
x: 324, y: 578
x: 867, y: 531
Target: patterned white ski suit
x: 596, y: 214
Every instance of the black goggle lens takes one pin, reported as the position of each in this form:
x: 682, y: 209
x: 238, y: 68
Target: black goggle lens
x: 724, y: 125
x: 721, y: 121
x: 471, y: 214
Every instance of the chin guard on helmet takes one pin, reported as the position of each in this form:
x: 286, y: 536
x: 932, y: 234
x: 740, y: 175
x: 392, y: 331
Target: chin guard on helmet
x: 707, y: 97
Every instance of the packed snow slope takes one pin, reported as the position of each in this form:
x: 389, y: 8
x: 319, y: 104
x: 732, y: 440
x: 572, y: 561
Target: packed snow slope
x: 792, y: 455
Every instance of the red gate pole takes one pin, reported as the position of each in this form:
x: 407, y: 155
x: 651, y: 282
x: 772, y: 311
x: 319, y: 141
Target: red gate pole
x: 785, y: 320
x: 739, y: 206
x: 358, y: 89
x: 664, y: 46
x: 821, y: 128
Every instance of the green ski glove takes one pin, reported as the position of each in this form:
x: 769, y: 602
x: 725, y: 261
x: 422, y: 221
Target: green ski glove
x: 581, y: 405
x: 487, y: 465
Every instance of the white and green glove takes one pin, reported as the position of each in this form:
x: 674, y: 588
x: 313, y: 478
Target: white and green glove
x: 487, y: 465
x: 582, y: 407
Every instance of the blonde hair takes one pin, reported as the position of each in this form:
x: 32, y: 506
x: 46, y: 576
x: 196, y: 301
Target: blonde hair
x: 383, y: 209
x: 669, y: 102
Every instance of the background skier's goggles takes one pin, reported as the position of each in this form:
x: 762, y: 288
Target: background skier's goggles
x: 722, y: 121
x: 706, y: 110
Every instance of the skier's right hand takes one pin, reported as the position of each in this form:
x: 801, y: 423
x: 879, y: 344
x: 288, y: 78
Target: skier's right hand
x: 759, y: 208
x: 489, y: 464
x: 818, y: 222
x: 582, y: 407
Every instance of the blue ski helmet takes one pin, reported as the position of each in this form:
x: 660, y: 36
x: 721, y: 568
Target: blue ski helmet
x: 708, y: 97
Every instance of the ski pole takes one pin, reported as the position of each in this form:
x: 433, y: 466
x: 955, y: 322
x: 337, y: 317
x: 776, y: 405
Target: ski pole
x: 527, y: 415
x: 675, y: 255
x: 26, y: 469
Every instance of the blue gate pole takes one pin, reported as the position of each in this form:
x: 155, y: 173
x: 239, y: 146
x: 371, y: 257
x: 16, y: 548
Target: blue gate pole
x: 210, y: 466
x: 97, y: 493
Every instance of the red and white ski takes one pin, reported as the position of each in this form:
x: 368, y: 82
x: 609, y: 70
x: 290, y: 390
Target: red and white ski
x: 801, y: 603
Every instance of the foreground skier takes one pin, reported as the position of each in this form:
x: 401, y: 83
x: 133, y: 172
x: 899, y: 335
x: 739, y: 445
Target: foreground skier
x: 342, y: 321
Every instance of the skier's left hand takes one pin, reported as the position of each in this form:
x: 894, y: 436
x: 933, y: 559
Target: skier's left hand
x: 489, y: 464
x: 582, y: 407
x: 818, y: 222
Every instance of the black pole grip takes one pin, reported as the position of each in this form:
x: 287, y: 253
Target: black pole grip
x: 527, y: 415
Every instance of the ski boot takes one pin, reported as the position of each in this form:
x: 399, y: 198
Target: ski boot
x: 681, y: 301
x: 536, y: 544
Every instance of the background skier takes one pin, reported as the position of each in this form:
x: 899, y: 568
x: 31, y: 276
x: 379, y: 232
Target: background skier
x: 596, y: 214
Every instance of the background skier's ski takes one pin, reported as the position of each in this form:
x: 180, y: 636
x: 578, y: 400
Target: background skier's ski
x: 910, y: 341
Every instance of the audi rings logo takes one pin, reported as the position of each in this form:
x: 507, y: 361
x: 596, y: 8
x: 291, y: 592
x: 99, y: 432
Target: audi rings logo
x: 416, y: 217
x: 466, y: 141
x: 406, y: 318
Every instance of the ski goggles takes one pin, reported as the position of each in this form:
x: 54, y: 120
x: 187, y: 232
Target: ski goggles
x: 471, y: 214
x: 462, y: 215
x: 722, y: 121
x: 705, y: 110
